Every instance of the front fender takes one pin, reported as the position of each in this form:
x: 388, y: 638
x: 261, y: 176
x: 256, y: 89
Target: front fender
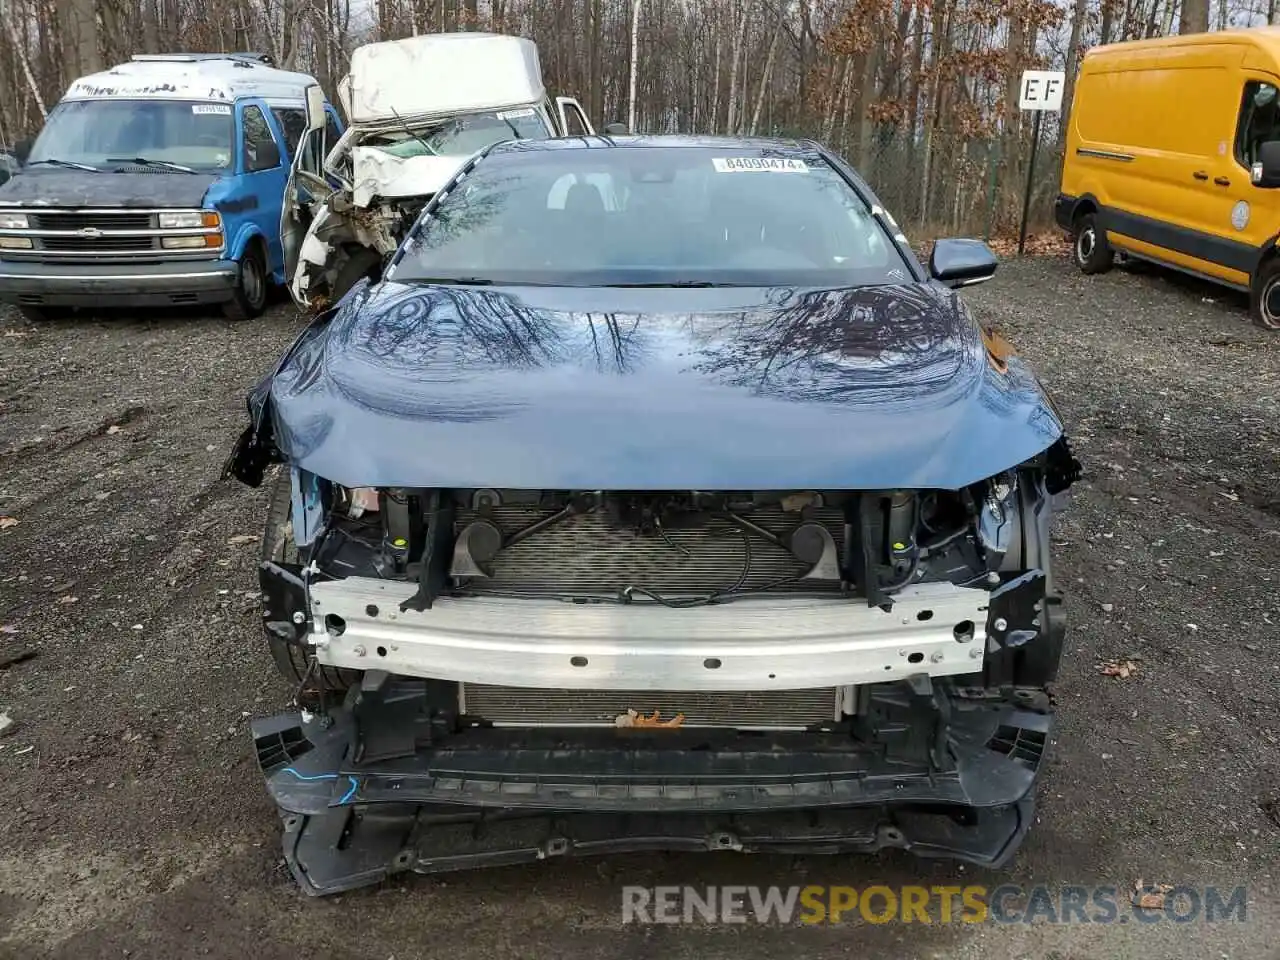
x: 239, y: 240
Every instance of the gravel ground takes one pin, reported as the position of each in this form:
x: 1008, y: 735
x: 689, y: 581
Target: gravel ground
x: 135, y: 823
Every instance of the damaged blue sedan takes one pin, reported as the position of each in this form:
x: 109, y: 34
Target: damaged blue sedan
x: 656, y: 497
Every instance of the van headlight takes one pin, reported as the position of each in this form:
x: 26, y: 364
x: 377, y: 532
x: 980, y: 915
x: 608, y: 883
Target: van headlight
x: 13, y: 221
x: 189, y: 220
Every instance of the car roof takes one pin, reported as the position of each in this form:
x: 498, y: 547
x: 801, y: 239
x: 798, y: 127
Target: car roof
x: 774, y: 146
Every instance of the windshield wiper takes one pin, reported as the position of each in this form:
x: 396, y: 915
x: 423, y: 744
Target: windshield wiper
x: 148, y: 162
x: 671, y: 283
x: 459, y: 281
x: 65, y: 163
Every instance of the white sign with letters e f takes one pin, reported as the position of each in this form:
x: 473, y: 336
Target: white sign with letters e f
x: 1041, y: 90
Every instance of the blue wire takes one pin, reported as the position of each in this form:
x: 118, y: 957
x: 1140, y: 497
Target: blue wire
x: 355, y: 784
x: 351, y: 790
x: 303, y: 776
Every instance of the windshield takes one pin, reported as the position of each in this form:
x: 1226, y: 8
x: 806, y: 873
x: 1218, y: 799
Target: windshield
x: 102, y: 133
x: 463, y: 136
x: 653, y: 216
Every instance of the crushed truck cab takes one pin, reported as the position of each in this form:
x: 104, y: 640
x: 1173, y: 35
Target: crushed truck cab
x: 351, y: 199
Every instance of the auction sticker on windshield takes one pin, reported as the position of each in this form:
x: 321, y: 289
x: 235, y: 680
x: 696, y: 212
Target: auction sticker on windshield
x: 759, y: 165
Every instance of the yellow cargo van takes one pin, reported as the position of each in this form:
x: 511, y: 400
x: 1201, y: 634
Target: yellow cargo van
x: 1173, y: 156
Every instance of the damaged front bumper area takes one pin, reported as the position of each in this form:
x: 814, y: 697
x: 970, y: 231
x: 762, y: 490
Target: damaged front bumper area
x: 930, y: 740
x: 428, y: 803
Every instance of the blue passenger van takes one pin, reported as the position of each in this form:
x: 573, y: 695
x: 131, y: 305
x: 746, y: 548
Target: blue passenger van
x: 158, y: 182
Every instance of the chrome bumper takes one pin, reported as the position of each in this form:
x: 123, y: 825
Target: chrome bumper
x: 750, y: 644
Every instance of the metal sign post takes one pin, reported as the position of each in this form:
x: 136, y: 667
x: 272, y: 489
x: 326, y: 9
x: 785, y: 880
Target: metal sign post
x: 1041, y: 90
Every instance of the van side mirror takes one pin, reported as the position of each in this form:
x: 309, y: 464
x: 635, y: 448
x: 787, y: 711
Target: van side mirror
x: 1266, y: 170
x: 616, y: 129
x: 22, y: 149
x: 315, y: 107
x: 962, y: 263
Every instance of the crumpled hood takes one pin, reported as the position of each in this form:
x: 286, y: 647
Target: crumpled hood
x: 872, y: 388
x: 46, y: 187
x: 376, y: 173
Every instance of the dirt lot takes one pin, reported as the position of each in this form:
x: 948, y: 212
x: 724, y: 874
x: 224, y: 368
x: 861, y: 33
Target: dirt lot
x: 135, y: 824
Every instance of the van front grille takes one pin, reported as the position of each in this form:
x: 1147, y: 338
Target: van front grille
x: 78, y: 220
x: 100, y: 244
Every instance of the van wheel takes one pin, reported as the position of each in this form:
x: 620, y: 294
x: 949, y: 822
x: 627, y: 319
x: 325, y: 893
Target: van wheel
x: 1089, y: 246
x: 1264, y: 298
x: 250, y: 295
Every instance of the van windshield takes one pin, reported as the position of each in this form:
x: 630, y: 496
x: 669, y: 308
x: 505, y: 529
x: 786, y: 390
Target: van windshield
x: 103, y: 133
x: 462, y: 136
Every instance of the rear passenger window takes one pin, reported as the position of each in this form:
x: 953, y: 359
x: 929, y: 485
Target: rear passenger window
x: 1259, y: 121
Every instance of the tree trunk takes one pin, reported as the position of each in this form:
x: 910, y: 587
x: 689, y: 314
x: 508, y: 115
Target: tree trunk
x: 1078, y: 16
x: 764, y: 80
x: 867, y: 82
x: 1194, y: 17
x: 19, y: 50
x: 1108, y: 18
x: 731, y: 124
x: 595, y: 87
x: 150, y: 27
x: 913, y: 78
x: 635, y: 53
x: 79, y: 21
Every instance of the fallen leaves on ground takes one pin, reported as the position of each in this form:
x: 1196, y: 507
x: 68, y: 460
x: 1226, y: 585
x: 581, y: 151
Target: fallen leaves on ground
x: 1150, y: 896
x: 7, y: 522
x: 114, y: 428
x: 1005, y: 246
x: 242, y: 538
x: 1123, y: 669
x: 1038, y: 245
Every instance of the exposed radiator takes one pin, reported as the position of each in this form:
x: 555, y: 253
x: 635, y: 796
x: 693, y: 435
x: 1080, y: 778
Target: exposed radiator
x: 771, y: 710
x: 586, y: 554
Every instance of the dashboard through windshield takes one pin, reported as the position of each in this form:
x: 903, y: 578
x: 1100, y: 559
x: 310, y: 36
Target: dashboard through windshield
x: 103, y: 133
x: 649, y: 216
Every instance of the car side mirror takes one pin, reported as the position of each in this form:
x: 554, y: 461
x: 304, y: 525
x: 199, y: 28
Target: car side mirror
x: 962, y: 263
x: 1266, y: 170
x: 22, y: 149
x: 616, y: 129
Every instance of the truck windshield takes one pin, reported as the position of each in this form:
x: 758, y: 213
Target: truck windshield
x: 463, y: 136
x: 104, y: 133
